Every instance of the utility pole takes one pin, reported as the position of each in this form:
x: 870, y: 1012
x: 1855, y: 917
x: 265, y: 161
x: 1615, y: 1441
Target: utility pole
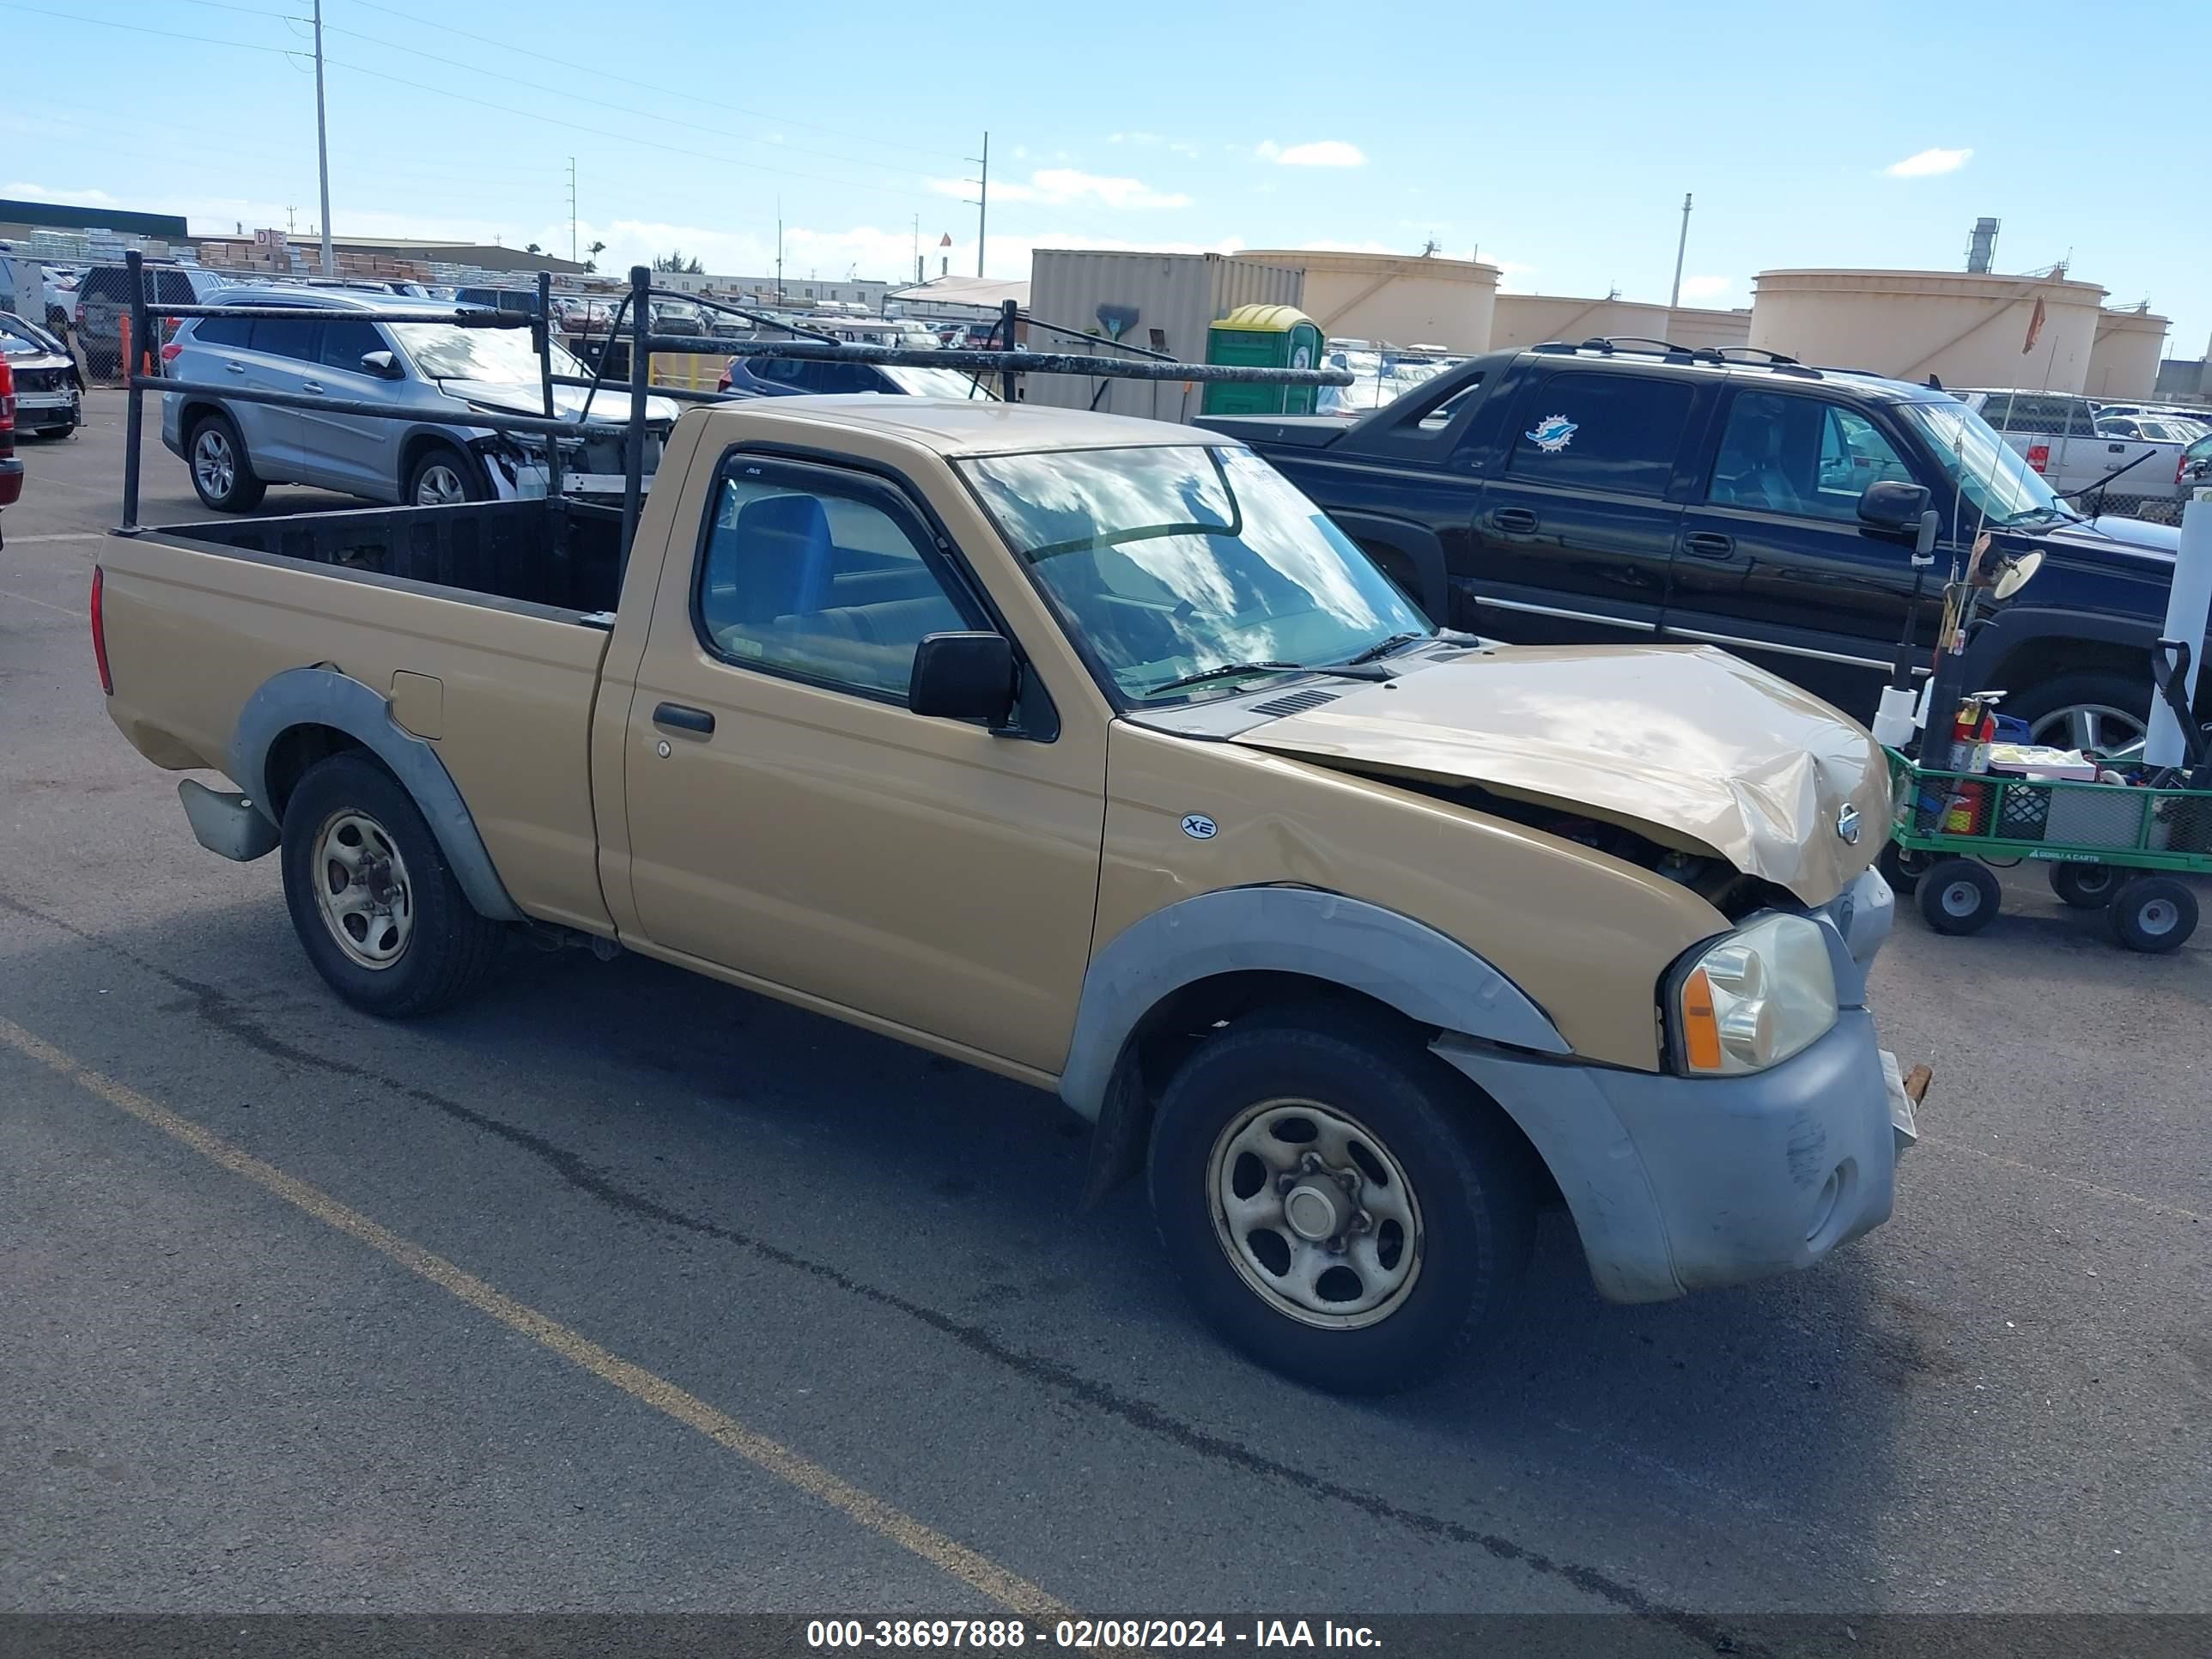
x: 572, y: 210
x: 779, y: 250
x: 323, y: 146
x: 1681, y: 248
x: 982, y: 202
x: 917, y: 248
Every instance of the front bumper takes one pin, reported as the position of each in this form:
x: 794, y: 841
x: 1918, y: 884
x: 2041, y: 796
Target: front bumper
x: 1678, y: 1183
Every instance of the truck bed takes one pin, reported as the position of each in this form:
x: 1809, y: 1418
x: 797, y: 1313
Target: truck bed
x: 557, y: 552
x: 484, y: 625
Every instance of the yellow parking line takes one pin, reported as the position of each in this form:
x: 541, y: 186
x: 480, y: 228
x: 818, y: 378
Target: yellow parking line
x: 978, y: 1571
x: 44, y: 604
x: 2159, y: 1204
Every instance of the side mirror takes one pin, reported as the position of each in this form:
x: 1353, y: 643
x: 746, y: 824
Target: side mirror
x: 382, y: 364
x: 1892, y: 507
x: 964, y: 676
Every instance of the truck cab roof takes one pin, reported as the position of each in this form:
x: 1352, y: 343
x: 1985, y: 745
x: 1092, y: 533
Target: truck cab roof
x: 957, y: 426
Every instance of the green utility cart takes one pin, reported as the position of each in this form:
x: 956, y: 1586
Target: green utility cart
x: 1263, y: 337
x: 2115, y: 848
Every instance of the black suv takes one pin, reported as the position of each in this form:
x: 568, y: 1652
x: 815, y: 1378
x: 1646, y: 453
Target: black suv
x: 1618, y: 492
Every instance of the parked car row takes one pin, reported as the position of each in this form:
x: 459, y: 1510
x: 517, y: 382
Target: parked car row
x: 1605, y: 494
x: 436, y: 373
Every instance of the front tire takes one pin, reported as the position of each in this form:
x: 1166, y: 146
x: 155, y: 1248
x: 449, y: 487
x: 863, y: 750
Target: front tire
x: 443, y: 477
x: 222, y: 475
x: 375, y: 904
x: 1337, y: 1202
x: 2090, y: 709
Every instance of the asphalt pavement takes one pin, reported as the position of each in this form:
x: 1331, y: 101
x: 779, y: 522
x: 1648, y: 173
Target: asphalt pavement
x: 622, y: 1291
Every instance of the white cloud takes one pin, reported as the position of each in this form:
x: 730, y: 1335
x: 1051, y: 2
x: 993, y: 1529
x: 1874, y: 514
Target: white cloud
x: 1928, y: 163
x: 1153, y: 140
x: 1061, y: 186
x: 1513, y: 275
x: 1321, y: 153
x: 1705, y: 288
x: 87, y: 197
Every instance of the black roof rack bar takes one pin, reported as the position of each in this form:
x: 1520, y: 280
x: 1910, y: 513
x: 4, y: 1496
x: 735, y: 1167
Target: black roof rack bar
x: 1637, y: 345
x: 1770, y: 356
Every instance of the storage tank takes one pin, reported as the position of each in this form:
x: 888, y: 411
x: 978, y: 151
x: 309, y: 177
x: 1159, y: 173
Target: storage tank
x: 1527, y: 319
x: 2124, y: 361
x: 1967, y: 329
x: 1160, y: 301
x: 1395, y: 298
x: 1716, y: 330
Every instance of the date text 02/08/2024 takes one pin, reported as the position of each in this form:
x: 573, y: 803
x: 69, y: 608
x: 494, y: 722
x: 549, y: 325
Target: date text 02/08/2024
x: 1005, y: 1635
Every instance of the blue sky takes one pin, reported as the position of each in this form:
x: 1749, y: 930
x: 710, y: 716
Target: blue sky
x: 1556, y: 140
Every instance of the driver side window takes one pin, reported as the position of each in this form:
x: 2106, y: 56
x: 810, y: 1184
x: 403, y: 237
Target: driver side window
x: 1803, y: 456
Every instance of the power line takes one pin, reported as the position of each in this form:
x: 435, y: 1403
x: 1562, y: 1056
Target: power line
x: 622, y: 109
x: 140, y: 28
x: 604, y: 132
x: 650, y: 86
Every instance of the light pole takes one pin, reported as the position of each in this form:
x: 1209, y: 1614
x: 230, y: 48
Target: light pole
x: 982, y: 202
x: 323, y: 146
x: 1680, y: 248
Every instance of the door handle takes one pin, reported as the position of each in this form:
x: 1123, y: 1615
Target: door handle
x: 681, y: 717
x: 1514, y: 520
x: 234, y: 368
x: 315, y: 386
x: 1707, y: 544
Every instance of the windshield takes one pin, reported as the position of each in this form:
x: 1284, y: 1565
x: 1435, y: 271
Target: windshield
x: 22, y: 338
x: 505, y: 355
x: 1168, y: 563
x: 1993, y: 476
x: 935, y: 382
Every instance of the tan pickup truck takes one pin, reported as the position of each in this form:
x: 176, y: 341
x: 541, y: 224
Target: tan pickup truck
x: 1086, y: 751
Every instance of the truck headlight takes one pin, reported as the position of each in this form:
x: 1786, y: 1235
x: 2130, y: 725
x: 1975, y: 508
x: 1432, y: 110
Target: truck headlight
x: 1752, y: 999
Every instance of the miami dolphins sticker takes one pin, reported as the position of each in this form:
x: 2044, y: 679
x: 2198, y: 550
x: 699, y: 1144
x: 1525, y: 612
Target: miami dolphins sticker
x: 1553, y: 434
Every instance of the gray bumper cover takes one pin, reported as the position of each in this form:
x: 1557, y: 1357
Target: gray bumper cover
x: 1679, y: 1184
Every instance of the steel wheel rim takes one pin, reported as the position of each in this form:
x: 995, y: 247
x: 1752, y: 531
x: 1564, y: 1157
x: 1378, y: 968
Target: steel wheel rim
x: 361, y: 890
x: 439, y: 486
x: 2158, y: 918
x: 1368, y: 1258
x: 2087, y: 725
x: 2095, y: 882
x: 213, y: 463
x: 1960, y: 898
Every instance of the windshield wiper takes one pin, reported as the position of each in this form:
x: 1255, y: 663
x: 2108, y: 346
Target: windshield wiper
x: 1382, y: 648
x: 1342, y: 671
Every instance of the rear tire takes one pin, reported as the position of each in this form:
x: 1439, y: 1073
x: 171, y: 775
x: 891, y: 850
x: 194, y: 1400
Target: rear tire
x: 1959, y: 895
x: 375, y: 904
x: 222, y: 474
x: 1408, y: 1235
x: 2084, y: 886
x: 2152, y: 913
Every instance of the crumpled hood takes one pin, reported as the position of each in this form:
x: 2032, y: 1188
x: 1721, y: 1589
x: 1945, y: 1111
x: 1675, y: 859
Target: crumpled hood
x: 1692, y: 747
x: 610, y: 405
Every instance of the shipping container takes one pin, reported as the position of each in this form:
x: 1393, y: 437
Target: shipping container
x: 1160, y: 301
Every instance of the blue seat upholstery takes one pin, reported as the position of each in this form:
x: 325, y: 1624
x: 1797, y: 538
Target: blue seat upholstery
x: 779, y: 561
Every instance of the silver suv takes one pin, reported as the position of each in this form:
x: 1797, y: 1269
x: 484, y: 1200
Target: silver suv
x: 436, y: 373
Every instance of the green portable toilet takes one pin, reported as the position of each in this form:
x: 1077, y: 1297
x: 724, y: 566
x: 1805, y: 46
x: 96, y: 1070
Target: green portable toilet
x: 1262, y: 336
